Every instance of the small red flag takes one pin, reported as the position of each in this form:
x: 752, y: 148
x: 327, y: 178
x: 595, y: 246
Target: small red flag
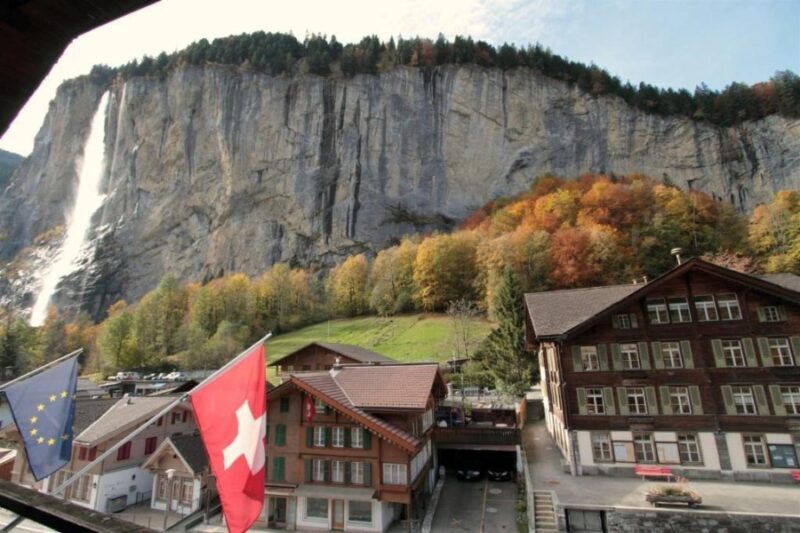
x: 310, y: 409
x: 231, y: 412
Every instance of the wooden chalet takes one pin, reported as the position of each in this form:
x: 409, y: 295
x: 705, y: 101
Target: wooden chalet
x: 323, y: 355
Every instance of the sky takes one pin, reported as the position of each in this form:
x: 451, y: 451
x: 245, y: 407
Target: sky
x: 667, y: 43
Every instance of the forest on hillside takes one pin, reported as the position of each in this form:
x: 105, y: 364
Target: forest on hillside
x: 561, y: 233
x: 283, y: 54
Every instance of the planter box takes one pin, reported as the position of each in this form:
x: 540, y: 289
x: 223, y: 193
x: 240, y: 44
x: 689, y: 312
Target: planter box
x: 656, y: 499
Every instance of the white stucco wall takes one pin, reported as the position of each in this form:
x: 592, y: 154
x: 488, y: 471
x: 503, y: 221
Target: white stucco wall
x: 122, y: 482
x: 380, y: 520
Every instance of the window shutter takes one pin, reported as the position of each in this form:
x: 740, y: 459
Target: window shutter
x: 347, y: 438
x: 777, y: 400
x: 367, y: 439
x: 347, y: 472
x: 658, y: 359
x: 266, y: 435
x: 280, y: 435
x: 577, y: 363
x: 615, y: 321
x: 694, y: 397
x: 368, y: 474
x: 686, y: 353
x: 602, y: 355
x: 666, y: 406
x: 622, y: 396
x: 616, y: 357
x: 763, y: 349
x: 795, y: 341
x: 634, y: 321
x: 762, y: 316
x: 719, y: 357
x: 761, y: 400
x: 608, y: 399
x: 308, y: 471
x: 781, y: 313
x: 644, y: 356
x: 727, y: 399
x: 309, y: 437
x: 652, y: 404
x: 328, y: 431
x: 749, y: 352
x: 581, y: 400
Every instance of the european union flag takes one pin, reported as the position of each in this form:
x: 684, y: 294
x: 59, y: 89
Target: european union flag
x: 43, y: 407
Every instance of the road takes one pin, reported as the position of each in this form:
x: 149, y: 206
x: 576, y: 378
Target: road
x: 477, y: 507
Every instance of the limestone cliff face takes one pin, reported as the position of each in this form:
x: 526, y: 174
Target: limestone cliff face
x: 216, y: 169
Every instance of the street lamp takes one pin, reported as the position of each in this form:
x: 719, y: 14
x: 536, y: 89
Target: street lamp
x: 170, y: 472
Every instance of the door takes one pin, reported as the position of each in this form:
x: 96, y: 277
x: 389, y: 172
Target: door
x: 277, y: 512
x: 338, y: 514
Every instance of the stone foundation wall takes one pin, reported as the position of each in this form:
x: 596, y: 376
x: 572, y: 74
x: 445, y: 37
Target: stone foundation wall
x: 655, y: 521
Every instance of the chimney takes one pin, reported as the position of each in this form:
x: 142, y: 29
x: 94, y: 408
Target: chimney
x: 677, y: 253
x: 337, y: 366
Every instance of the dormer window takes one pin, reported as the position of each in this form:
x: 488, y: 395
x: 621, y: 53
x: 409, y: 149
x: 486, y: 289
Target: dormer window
x: 706, y: 308
x: 657, y: 311
x: 771, y: 313
x: 728, y: 306
x: 679, y: 310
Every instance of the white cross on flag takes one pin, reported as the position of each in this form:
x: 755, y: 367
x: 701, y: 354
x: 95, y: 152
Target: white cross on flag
x: 231, y: 411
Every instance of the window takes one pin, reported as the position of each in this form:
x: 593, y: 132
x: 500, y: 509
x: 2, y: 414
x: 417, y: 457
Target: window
x: 285, y: 404
x: 175, y: 418
x: 394, y: 474
x: 187, y: 491
x: 83, y: 488
x: 319, y: 405
x: 629, y: 354
x: 671, y: 353
x: 636, y: 401
x: 280, y: 435
x: 337, y: 471
x: 278, y: 469
x: 317, y: 508
x: 706, y: 308
x: 770, y: 313
x: 622, y: 321
x: 733, y: 353
x: 337, y: 437
x: 791, y: 399
x: 185, y: 416
x: 356, y: 437
x: 92, y: 453
x: 657, y: 311
x: 359, y: 512
x: 82, y: 453
x: 689, y: 449
x: 643, y: 448
x: 601, y: 447
x: 728, y: 306
x: 150, y: 445
x: 163, y: 486
x: 357, y: 473
x: 124, y: 452
x: 319, y: 436
x: 780, y: 352
x: 679, y: 310
x: 594, y: 401
x: 755, y: 451
x: 319, y: 469
x: 589, y: 358
x: 679, y: 400
x: 743, y: 400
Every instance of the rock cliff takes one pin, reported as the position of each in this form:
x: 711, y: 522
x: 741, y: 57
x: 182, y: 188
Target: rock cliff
x: 219, y: 169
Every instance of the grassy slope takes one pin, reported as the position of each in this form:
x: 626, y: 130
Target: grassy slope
x: 407, y: 338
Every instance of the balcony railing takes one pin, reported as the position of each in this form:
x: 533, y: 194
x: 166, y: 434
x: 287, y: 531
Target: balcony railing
x: 477, y: 435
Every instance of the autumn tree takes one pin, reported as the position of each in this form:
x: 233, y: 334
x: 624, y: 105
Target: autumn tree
x: 445, y: 269
x: 392, y: 279
x: 115, y: 339
x: 347, y: 286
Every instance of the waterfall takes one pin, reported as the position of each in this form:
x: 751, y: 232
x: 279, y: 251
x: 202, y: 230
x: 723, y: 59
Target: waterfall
x: 87, y: 201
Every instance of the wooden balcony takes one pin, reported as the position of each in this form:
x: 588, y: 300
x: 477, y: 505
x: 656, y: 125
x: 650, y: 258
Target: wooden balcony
x: 477, y: 436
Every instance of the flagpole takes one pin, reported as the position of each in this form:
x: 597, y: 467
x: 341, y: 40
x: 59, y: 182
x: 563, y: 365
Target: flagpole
x: 39, y: 369
x: 69, y: 481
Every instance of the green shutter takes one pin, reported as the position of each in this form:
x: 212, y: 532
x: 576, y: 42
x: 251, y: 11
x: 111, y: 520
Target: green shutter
x: 795, y: 341
x: 777, y: 400
x: 634, y: 321
x: 307, y: 470
x: 666, y: 404
x: 763, y: 349
x: 686, y: 353
x: 658, y: 359
x: 577, y: 362
x: 644, y: 356
x: 622, y: 396
x: 581, y: 400
x: 608, y: 400
x: 278, y: 469
x: 749, y: 351
x: 347, y: 437
x: 368, y: 474
x: 650, y: 397
x: 727, y: 399
x: 347, y: 472
x: 762, y: 316
x: 616, y: 356
x: 719, y: 357
x: 694, y: 397
x: 761, y: 400
x: 328, y: 432
x: 602, y: 356
x: 615, y: 321
x: 367, y: 439
x: 280, y: 435
x: 266, y: 435
x: 309, y: 437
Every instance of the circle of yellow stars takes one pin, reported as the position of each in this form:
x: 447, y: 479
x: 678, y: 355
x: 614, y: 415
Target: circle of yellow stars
x: 40, y: 408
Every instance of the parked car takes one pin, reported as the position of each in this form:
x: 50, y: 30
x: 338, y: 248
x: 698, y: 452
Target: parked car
x: 150, y: 377
x: 469, y: 473
x: 499, y: 474
x: 122, y: 376
x: 177, y: 376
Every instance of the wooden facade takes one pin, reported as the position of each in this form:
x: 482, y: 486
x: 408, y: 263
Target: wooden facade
x: 322, y: 356
x: 699, y: 370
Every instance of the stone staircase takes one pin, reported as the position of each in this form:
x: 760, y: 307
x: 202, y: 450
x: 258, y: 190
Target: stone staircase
x: 544, y: 512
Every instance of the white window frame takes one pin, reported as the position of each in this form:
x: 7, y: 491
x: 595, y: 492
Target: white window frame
x: 307, y: 516
x: 356, y: 437
x: 671, y: 354
x: 595, y: 401
x: 771, y: 313
x: 361, y: 522
x: 318, y: 470
x: 629, y: 353
x: 733, y: 352
x: 680, y: 401
x: 755, y: 446
x: 706, y: 308
x: 729, y: 306
x: 689, y: 449
x: 743, y: 398
x: 657, y: 312
x: 637, y: 400
x: 623, y: 321
x: 790, y: 394
x: 319, y: 405
x: 780, y: 351
x: 337, y: 437
x: 357, y: 473
x: 319, y: 436
x: 644, y: 449
x: 337, y: 471
x: 395, y: 474
x: 589, y: 358
x: 601, y: 448
x: 679, y: 310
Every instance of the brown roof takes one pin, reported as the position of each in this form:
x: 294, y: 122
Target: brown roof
x: 125, y: 413
x: 356, y: 353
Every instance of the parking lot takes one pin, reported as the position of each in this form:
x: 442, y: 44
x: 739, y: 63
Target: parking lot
x: 476, y: 506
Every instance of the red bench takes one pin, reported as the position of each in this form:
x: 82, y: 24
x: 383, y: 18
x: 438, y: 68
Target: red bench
x: 653, y: 471
x: 795, y: 475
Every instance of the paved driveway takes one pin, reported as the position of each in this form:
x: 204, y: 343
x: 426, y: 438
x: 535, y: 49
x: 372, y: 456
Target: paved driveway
x: 477, y: 506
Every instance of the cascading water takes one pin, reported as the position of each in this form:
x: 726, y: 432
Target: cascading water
x: 87, y: 201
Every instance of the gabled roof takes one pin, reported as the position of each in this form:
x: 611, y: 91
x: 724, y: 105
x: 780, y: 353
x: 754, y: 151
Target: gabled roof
x: 124, y: 414
x: 188, y: 447
x: 87, y: 411
x: 356, y: 353
x: 567, y: 312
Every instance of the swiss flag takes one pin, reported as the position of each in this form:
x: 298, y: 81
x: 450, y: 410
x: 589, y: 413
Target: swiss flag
x: 231, y: 411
